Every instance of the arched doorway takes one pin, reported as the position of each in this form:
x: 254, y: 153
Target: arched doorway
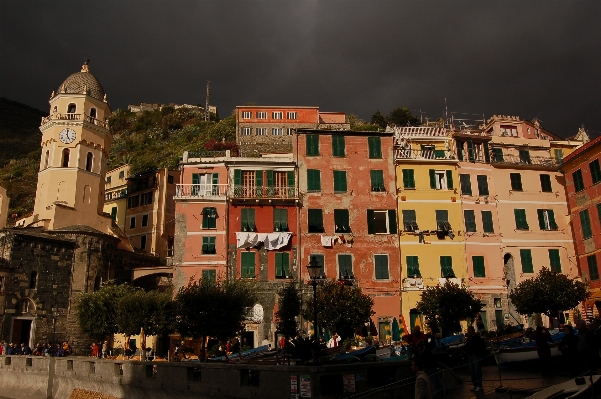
x: 510, y: 282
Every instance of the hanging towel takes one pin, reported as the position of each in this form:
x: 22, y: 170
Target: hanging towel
x: 326, y: 241
x: 241, y: 239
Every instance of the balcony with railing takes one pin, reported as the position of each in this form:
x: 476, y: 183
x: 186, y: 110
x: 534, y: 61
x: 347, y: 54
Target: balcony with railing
x: 261, y: 192
x: 75, y: 117
x: 412, y: 132
x: 208, y: 191
x: 434, y: 155
x: 525, y: 161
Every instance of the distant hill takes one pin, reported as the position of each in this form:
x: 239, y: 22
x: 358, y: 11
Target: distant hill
x: 19, y: 130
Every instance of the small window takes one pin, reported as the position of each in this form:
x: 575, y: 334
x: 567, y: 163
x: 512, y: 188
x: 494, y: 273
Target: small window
x: 280, y: 219
x: 66, y: 154
x: 341, y: 221
x: 487, y: 223
x: 375, y: 147
x: 338, y: 146
x: 497, y: 155
x: 261, y: 131
x: 312, y: 144
x: 209, y: 275
x: 555, y: 260
x: 277, y: 131
x: 478, y: 266
x: 33, y: 280
x: 585, y: 223
x: 320, y: 259
x: 446, y: 267
x: 441, y: 179
x: 247, y: 115
x: 381, y: 221
x: 470, y: 220
x: 289, y: 131
x: 291, y: 115
x: 246, y: 131
x: 121, y: 175
x: 93, y: 112
x: 377, y: 180
x: 109, y: 179
x: 282, y: 265
x: 144, y: 220
x: 46, y: 158
x: 276, y: 115
x: 132, y: 222
x: 593, y: 271
x: 545, y: 183
x: 525, y: 157
x: 516, y: 181
x: 71, y: 108
x: 381, y: 267
x: 526, y: 258
x: 315, y: 219
x: 247, y: 264
x: 442, y: 215
x: 521, y: 223
x: 89, y: 161
x: 209, y: 218
x: 340, y: 181
x: 261, y: 115
x: 170, y: 179
x: 482, y: 185
x: 133, y: 201
x: 408, y: 178
x: 247, y: 219
x: 143, y: 241
x: 413, y: 267
x: 114, y: 213
x: 546, y: 219
x: 345, y: 265
x: 208, y: 245
x: 558, y: 155
x: 409, y: 220
x: 595, y: 171
x: 466, y: 184
x: 509, y: 131
x: 578, y: 180
x: 313, y: 180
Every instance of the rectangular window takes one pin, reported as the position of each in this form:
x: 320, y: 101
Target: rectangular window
x: 526, y: 258
x: 377, y: 180
x: 247, y: 263
x: 246, y: 131
x: 585, y: 223
x: 209, y: 275
x: 121, y: 175
x: 375, y: 147
x: 554, y: 260
x: 143, y: 242
x: 261, y: 131
x: 595, y: 171
x: 413, y: 267
x: 381, y: 222
x: 546, y: 219
x: 291, y: 115
x: 208, y: 245
x: 497, y: 155
x: 446, y: 267
x: 338, y: 148
x: 132, y: 222
x: 277, y: 131
x: 516, y: 181
x: 282, y: 265
x: 280, y: 219
x: 312, y: 144
x: 146, y: 198
x: 558, y: 154
x: 108, y: 179
x: 277, y: 115
x: 315, y: 219
x: 593, y: 271
x: 442, y: 215
x: 409, y: 220
x: 345, y: 265
x: 289, y: 131
x: 487, y: 224
x: 408, y: 178
x: 482, y: 185
x: 133, y: 201
x: 209, y: 218
x: 521, y: 223
x: 319, y: 258
x: 340, y: 181
x: 470, y: 220
x: 144, y: 220
x: 313, y: 180
x: 247, y: 219
x: 478, y: 265
x: 509, y: 131
x: 261, y: 115
x: 247, y: 115
x: 441, y: 179
x: 525, y: 157
x: 114, y: 213
x: 341, y: 221
x: 381, y: 266
x: 466, y: 184
x: 545, y: 183
x: 578, y: 180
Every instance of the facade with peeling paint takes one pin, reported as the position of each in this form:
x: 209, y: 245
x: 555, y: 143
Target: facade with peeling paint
x: 348, y: 217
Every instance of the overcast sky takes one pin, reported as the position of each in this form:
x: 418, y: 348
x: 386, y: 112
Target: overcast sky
x: 528, y: 58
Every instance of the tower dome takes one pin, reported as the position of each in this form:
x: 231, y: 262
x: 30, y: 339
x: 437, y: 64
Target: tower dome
x: 82, y: 82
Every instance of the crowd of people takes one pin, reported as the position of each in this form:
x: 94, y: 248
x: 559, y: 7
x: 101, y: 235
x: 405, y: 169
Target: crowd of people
x: 39, y: 349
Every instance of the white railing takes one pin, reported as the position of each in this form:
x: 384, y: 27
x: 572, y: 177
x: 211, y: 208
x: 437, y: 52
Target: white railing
x: 74, y: 117
x: 200, y: 190
x: 402, y: 153
x: 255, y: 192
x: 403, y: 133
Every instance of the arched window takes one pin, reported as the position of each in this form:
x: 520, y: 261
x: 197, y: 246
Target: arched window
x: 46, y: 157
x: 71, y: 108
x: 93, y: 112
x: 89, y: 160
x: 66, y: 153
x: 33, y: 280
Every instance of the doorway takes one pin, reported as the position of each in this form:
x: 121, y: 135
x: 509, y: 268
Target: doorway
x: 248, y: 339
x: 21, y: 332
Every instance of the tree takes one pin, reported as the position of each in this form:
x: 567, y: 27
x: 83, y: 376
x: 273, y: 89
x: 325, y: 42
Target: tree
x: 208, y: 308
x: 402, y: 117
x: 359, y: 125
x: 378, y: 119
x: 340, y: 308
x: 549, y: 292
x: 444, y: 306
x: 288, y: 308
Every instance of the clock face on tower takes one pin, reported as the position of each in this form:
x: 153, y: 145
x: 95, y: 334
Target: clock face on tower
x: 67, y: 136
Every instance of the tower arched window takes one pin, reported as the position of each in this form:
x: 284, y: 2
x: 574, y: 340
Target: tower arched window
x: 71, y: 108
x: 89, y: 161
x: 66, y: 154
x: 33, y: 280
x: 93, y: 112
x: 46, y: 157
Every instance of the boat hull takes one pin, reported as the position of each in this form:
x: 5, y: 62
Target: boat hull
x: 571, y: 389
x: 522, y: 353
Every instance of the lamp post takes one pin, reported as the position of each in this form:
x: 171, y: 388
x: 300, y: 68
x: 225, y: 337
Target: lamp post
x: 314, y: 269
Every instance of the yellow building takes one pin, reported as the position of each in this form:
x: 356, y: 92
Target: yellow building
x: 430, y: 218
x: 115, y: 197
x: 3, y: 207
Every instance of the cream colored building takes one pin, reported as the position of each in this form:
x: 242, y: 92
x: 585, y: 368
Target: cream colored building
x: 3, y: 207
x: 115, y: 196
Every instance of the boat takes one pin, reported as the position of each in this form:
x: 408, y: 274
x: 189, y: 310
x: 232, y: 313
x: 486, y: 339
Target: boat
x: 571, y: 389
x: 356, y: 354
x: 255, y: 352
x: 525, y: 350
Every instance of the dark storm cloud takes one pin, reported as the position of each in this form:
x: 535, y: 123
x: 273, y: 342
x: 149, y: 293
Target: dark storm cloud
x: 533, y: 59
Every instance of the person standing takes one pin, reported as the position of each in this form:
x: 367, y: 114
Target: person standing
x: 474, y: 347
x: 105, y: 349
x: 422, y: 383
x: 542, y: 338
x: 587, y: 350
x: 414, y: 339
x: 569, y: 349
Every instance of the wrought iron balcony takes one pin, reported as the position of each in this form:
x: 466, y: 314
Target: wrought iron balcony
x: 547, y: 162
x: 200, y: 190
x: 75, y: 117
x: 253, y: 192
x: 402, y: 153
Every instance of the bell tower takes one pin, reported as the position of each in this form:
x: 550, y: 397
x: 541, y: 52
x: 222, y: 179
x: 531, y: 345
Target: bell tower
x: 75, y: 146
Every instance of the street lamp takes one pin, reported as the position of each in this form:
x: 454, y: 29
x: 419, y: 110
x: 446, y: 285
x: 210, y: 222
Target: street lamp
x: 314, y: 269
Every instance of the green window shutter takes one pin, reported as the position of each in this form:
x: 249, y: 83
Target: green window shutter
x: 248, y: 264
x: 466, y: 184
x: 551, y: 216
x: 595, y: 169
x: 237, y: 177
x: 585, y: 222
x: 478, y: 265
x: 209, y: 218
x: 279, y: 265
x: 345, y: 265
x: 280, y: 219
x: 525, y: 156
x: 341, y: 221
x: 446, y: 266
x: 470, y: 220
x: 541, y: 219
x: 291, y: 183
x: 195, y: 178
x: 408, y: 178
x: 381, y: 266
x: 392, y: 227
x: 312, y: 144
x: 486, y: 153
x: 578, y: 181
x: 375, y: 147
x: 209, y: 275
x: 459, y: 146
x: 471, y: 152
x: 313, y: 180
x: 487, y: 224
x: 248, y: 219
x: 338, y: 146
x: 315, y: 219
x: 319, y: 258
x: 545, y: 183
x: 526, y: 257
x: 482, y: 184
x: 521, y: 223
x: 371, y: 222
x: 258, y: 178
x: 269, y: 175
x: 215, y: 181
x: 558, y: 155
x: 497, y: 154
x: 413, y: 267
x: 432, y: 179
x: 442, y: 215
x: 114, y: 213
x: 516, y: 181
x: 593, y: 270
x: 449, y: 179
x: 409, y: 216
x: 377, y: 180
x: 555, y: 260
x: 340, y: 181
